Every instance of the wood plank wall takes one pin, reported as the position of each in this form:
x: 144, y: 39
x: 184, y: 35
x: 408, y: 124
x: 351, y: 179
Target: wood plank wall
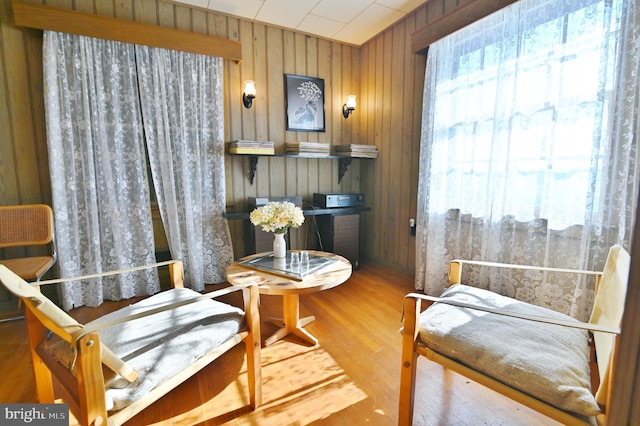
x: 384, y: 74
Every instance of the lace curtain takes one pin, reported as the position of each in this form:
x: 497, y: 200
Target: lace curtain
x: 182, y: 105
x: 98, y: 168
x: 101, y: 197
x: 527, y: 151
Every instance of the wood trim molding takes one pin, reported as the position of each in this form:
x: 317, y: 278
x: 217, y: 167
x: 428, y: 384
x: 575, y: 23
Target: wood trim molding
x: 74, y: 22
x: 453, y: 21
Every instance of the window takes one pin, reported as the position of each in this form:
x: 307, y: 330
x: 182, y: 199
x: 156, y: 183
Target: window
x: 521, y: 123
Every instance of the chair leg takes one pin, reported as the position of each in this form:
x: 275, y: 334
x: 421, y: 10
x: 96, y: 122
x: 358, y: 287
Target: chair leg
x: 253, y: 344
x: 409, y: 361
x: 42, y: 375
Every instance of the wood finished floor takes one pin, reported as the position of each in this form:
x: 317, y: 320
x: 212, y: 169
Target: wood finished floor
x: 350, y: 378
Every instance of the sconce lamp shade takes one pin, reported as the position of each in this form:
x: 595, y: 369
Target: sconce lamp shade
x: 249, y: 93
x: 348, y: 108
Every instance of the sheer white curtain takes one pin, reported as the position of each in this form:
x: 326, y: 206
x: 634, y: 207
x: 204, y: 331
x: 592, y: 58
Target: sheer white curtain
x: 528, y: 151
x: 182, y: 104
x: 98, y: 167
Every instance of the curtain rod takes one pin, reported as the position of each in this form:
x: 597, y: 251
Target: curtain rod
x: 75, y: 22
x: 451, y: 22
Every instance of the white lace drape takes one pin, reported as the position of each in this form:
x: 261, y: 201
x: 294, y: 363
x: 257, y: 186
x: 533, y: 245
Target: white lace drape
x: 528, y: 153
x: 98, y: 168
x: 98, y: 163
x: 183, y: 111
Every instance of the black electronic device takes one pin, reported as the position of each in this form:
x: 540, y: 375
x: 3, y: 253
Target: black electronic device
x: 337, y: 199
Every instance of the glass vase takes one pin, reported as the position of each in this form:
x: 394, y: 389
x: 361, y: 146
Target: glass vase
x: 279, y: 246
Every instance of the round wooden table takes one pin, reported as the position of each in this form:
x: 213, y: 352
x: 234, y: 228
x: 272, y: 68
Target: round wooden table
x: 290, y: 289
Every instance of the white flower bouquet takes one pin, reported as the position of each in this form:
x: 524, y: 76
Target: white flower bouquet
x: 277, y: 216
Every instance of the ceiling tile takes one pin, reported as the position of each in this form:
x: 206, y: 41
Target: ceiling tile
x: 285, y: 13
x: 405, y: 6
x: 347, y: 21
x: 320, y: 26
x: 243, y: 8
x: 368, y: 24
x: 196, y: 3
x: 341, y: 10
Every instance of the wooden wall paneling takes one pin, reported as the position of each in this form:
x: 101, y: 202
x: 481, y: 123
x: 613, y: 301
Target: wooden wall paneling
x: 105, y: 8
x: 260, y: 109
x: 124, y: 9
x: 289, y: 67
x: 9, y: 187
x: 247, y: 72
x: 146, y: 12
x: 362, y: 124
x: 183, y: 17
x: 418, y: 90
x: 199, y: 21
x: 327, y: 168
x: 20, y: 106
x: 376, y: 133
x: 33, y: 48
x: 367, y: 111
x: 396, y: 237
x: 408, y: 135
x: 217, y: 26
x: 299, y: 65
x: 434, y: 11
x: 449, y: 6
x: 386, y: 184
x: 274, y: 102
x: 311, y: 44
x: 84, y: 6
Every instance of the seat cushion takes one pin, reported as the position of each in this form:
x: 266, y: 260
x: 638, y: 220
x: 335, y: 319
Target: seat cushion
x: 159, y: 346
x: 548, y: 362
x: 29, y: 268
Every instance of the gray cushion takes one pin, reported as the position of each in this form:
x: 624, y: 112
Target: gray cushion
x: 159, y: 346
x: 546, y: 361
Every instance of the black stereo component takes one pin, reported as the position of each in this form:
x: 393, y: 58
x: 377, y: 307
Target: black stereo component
x: 337, y: 199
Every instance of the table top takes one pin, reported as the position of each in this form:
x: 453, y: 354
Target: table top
x: 328, y: 277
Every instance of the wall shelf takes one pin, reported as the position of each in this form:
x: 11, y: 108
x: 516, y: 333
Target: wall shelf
x: 343, y: 162
x: 307, y: 211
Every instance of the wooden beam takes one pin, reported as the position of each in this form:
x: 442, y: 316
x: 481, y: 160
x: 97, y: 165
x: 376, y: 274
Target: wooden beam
x: 74, y: 22
x: 453, y: 21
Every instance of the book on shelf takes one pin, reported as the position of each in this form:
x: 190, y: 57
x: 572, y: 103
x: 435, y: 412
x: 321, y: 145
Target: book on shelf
x: 257, y: 151
x: 308, y: 148
x: 357, y: 150
x: 251, y: 147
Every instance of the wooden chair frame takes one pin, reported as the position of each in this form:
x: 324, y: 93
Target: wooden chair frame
x: 412, y: 347
x: 85, y: 391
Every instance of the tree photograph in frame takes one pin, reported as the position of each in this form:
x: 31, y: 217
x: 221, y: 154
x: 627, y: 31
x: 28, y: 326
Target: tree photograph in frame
x: 304, y: 102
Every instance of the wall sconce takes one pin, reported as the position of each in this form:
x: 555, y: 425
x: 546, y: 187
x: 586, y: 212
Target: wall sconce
x: 348, y: 108
x: 249, y: 93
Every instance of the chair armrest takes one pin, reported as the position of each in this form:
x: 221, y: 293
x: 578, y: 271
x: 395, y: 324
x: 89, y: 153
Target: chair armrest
x: 455, y: 269
x: 108, y: 273
x: 576, y: 324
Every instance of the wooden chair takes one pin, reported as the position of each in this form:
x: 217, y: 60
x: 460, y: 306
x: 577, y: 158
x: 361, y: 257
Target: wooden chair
x: 536, y: 356
x: 112, y: 368
x: 27, y: 226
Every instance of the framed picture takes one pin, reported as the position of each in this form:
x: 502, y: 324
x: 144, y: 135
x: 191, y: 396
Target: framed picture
x: 304, y: 103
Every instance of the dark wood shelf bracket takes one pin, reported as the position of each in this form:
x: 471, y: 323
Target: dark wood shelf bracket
x: 253, y: 163
x: 343, y: 166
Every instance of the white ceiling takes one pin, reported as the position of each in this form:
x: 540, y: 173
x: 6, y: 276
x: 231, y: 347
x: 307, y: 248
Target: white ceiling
x: 347, y: 21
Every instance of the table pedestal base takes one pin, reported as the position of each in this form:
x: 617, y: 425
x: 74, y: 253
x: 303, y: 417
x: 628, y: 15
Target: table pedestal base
x: 291, y: 322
